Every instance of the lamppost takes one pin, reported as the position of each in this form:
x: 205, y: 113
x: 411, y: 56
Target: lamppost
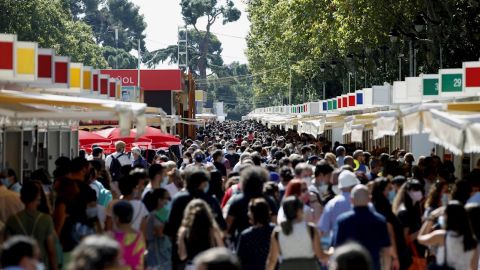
x: 420, y: 24
x: 394, y: 35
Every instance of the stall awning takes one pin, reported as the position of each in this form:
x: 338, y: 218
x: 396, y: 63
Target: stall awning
x: 17, y: 105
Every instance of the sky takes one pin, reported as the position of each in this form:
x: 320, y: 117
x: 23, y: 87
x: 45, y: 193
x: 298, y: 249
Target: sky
x: 164, y: 16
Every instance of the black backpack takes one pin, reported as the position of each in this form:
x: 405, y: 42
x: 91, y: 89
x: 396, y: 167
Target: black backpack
x: 116, y: 168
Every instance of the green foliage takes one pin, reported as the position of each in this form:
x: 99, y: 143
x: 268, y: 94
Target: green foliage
x: 104, y: 16
x: 119, y: 58
x: 170, y: 53
x: 49, y: 23
x: 304, y: 36
x: 192, y: 10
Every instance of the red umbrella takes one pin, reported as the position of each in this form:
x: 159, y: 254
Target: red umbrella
x: 114, y: 135
x: 89, y: 138
x: 158, y: 137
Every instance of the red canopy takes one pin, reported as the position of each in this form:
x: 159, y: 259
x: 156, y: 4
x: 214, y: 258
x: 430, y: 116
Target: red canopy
x: 88, y: 138
x: 114, y: 135
x: 158, y: 137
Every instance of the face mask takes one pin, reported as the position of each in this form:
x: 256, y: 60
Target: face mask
x: 206, y: 188
x: 186, y: 161
x: 445, y: 199
x: 416, y: 196
x: 163, y: 214
x: 391, y: 195
x: 164, y: 181
x: 40, y: 266
x: 5, y: 182
x: 441, y: 221
x: 92, y: 212
x: 231, y: 152
x: 335, y: 189
x: 307, y: 179
x: 322, y: 188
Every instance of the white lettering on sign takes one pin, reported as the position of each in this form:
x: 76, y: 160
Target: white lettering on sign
x: 457, y: 82
x: 126, y: 80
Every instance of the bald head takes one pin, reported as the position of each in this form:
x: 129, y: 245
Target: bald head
x: 360, y: 195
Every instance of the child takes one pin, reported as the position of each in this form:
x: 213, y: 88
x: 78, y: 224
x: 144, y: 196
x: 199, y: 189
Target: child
x: 131, y: 242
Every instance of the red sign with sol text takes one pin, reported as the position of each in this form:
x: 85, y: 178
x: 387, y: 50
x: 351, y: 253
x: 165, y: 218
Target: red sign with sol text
x: 150, y: 79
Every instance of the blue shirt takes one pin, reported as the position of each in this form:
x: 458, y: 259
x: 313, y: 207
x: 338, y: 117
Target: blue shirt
x: 366, y: 227
x: 334, y: 208
x: 475, y: 198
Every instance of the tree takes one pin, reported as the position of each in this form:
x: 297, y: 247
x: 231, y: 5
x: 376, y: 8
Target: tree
x: 192, y: 10
x: 119, y: 58
x: 50, y: 24
x: 170, y: 54
x: 304, y: 37
x: 104, y: 16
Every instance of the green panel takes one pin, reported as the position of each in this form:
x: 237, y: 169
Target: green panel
x: 334, y: 104
x: 330, y: 105
x: 452, y: 83
x: 430, y: 87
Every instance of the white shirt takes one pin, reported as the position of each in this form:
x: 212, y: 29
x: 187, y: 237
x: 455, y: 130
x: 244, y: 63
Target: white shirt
x: 298, y: 244
x: 172, y: 189
x: 125, y: 159
x: 139, y: 212
x: 456, y: 256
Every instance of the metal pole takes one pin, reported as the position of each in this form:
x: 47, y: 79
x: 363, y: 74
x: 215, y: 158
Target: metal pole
x: 355, y: 76
x: 414, y: 61
x: 348, y: 82
x: 138, y: 73
x: 290, y: 88
x: 410, y: 57
x: 116, y: 47
x: 323, y: 96
x: 399, y: 68
x: 441, y: 56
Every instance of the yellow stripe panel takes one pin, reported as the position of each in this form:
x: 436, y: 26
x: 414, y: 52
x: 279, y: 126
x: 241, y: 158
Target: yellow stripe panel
x: 75, y: 77
x: 26, y: 61
x: 87, y: 82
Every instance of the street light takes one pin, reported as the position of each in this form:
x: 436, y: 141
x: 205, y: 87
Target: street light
x: 394, y: 34
x: 420, y: 23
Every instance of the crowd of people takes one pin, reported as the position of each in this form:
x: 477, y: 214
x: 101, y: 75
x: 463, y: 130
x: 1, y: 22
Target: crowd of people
x: 242, y: 196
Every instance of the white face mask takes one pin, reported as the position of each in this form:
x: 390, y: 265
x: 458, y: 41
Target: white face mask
x: 416, y: 196
x: 322, y: 188
x: 92, y: 212
x: 231, y: 152
x: 335, y: 189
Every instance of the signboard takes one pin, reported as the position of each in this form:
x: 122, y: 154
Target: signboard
x: 414, y: 89
x: 451, y: 82
x: 359, y: 94
x: 128, y: 94
x: 382, y: 94
x: 471, y: 75
x: 399, y: 92
x: 430, y: 85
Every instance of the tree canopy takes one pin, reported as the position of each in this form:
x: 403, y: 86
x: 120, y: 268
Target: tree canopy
x: 48, y: 23
x: 326, y: 41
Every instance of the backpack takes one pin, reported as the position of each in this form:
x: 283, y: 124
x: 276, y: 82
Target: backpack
x: 116, y: 167
x: 104, y: 195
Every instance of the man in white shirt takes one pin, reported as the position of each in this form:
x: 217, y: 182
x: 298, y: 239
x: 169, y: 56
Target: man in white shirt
x: 123, y: 158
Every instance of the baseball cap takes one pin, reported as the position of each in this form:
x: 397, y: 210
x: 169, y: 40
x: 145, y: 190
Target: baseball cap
x: 347, y: 179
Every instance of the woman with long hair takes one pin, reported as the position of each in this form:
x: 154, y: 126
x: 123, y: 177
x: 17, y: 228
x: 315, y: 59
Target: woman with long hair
x: 199, y: 231
x: 291, y: 240
x: 299, y: 189
x: 437, y: 197
x: 407, y: 207
x: 381, y: 188
x: 457, y: 247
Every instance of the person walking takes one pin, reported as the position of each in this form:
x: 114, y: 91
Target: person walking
x: 297, y: 241
x: 198, y: 232
x: 254, y: 242
x: 131, y: 241
x: 366, y: 227
x: 455, y: 241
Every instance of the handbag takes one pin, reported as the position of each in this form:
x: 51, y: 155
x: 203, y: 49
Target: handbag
x: 444, y: 266
x: 418, y: 263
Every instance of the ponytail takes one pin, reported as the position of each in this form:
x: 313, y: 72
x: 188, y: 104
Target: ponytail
x: 290, y: 205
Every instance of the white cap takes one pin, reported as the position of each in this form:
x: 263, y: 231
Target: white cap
x: 347, y: 179
x: 136, y: 150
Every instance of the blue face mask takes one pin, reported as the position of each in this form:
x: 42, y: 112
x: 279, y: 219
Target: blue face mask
x: 445, y: 199
x: 164, y: 181
x: 206, y: 188
x: 168, y: 206
x: 5, y: 182
x: 441, y: 221
x: 391, y: 195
